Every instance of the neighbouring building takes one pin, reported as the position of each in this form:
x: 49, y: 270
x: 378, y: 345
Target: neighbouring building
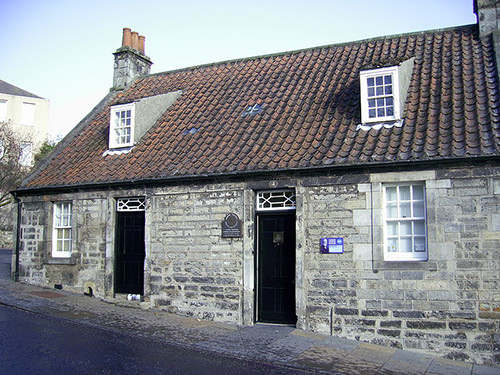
x: 28, y: 116
x: 350, y: 189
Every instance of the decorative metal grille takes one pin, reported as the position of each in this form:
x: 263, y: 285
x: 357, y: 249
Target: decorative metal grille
x: 276, y: 200
x: 131, y: 204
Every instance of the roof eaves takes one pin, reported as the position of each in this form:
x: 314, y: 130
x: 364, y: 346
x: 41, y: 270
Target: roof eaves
x: 372, y: 167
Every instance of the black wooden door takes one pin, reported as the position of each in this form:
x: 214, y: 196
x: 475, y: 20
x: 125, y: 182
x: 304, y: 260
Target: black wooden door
x: 276, y: 269
x: 130, y: 253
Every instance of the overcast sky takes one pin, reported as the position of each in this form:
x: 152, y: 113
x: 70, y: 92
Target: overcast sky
x: 62, y: 50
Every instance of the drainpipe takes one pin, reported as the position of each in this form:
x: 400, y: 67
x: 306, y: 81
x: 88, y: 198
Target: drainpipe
x: 18, y: 235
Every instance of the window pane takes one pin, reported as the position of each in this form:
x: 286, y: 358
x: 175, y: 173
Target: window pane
x: 390, y: 111
x: 405, y: 228
x: 388, y: 90
x: 379, y: 80
x: 392, y: 245
x: 372, y: 113
x: 371, y: 91
x: 418, y: 192
x: 418, y: 209
x: 405, y: 244
x: 388, y: 79
x: 370, y: 81
x: 380, y: 112
x: 404, y: 193
x: 419, y: 244
x: 392, y: 228
x: 380, y: 90
x: 391, y: 194
x: 405, y: 210
x: 392, y: 210
x: 419, y: 227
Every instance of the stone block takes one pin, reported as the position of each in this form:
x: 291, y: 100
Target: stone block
x: 346, y: 311
x: 425, y: 324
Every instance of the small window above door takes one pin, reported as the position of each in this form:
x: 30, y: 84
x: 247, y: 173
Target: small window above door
x: 272, y: 200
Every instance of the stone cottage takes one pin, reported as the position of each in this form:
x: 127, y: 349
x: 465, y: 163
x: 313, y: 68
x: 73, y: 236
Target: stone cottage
x: 350, y: 189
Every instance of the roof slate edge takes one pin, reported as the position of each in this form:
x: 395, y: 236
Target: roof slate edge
x: 373, y: 168
x: 69, y: 137
x: 19, y: 91
x: 293, y: 52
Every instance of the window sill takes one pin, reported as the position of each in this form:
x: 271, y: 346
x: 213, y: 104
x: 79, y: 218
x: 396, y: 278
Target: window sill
x: 68, y: 261
x: 381, y: 265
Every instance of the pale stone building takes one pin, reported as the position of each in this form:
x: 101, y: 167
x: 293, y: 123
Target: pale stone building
x: 28, y: 115
x: 349, y: 189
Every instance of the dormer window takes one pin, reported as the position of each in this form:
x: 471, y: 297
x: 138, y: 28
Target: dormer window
x: 383, y: 92
x: 129, y: 122
x: 380, y: 95
x: 121, y: 127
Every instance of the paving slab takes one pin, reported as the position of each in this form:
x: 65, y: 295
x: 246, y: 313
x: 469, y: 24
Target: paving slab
x: 318, y: 353
x: 442, y: 366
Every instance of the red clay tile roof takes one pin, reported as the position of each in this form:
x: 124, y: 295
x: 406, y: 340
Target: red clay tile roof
x: 310, y: 111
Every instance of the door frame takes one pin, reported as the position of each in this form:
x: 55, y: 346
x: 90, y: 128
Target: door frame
x: 258, y: 216
x: 128, y: 206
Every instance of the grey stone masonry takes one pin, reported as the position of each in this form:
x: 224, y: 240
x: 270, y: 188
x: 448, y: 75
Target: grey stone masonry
x: 448, y: 305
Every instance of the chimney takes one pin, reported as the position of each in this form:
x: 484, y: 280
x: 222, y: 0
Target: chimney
x: 130, y: 59
x: 488, y: 19
x: 488, y: 16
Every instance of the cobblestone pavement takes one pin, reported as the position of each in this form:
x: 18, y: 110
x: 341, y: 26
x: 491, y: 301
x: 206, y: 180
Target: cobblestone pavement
x: 265, y: 343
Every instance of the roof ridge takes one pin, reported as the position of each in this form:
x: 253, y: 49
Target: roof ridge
x: 284, y: 53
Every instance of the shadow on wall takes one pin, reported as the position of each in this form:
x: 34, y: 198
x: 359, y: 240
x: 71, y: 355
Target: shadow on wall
x: 5, y: 260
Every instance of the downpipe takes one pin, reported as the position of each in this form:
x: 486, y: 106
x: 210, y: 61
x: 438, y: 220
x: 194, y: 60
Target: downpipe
x: 18, y: 235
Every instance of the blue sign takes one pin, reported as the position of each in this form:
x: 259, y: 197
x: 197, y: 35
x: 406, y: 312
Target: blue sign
x: 332, y: 245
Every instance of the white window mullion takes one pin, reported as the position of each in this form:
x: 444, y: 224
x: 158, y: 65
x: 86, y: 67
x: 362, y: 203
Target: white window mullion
x: 62, y: 230
x: 405, y: 222
x: 121, y: 126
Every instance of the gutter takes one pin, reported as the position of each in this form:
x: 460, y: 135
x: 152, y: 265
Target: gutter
x: 370, y: 167
x: 18, y: 235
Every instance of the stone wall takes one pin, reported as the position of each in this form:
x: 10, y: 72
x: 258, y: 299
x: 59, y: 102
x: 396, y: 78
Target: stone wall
x: 193, y: 270
x: 449, y: 305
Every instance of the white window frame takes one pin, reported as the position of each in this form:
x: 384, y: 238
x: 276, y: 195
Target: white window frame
x: 26, y: 155
x: 276, y: 200
x: 374, y: 73
x: 115, y: 125
x: 415, y: 223
x: 2, y: 149
x: 28, y: 113
x: 62, y: 230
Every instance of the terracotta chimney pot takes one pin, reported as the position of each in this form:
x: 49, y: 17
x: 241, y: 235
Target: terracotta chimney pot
x: 127, y: 39
x: 135, y: 40
x: 142, y: 44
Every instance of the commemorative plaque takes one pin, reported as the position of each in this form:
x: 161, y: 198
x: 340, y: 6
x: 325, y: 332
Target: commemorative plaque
x: 231, y: 226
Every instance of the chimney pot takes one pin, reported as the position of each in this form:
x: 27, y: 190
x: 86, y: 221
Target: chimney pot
x: 142, y: 44
x: 135, y: 40
x: 127, y: 39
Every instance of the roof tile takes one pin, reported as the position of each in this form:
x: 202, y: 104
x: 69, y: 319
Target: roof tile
x: 311, y: 109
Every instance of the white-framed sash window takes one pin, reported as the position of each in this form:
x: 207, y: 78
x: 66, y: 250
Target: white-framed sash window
x: 62, y: 230
x: 121, y: 126
x: 380, y: 95
x: 405, y: 223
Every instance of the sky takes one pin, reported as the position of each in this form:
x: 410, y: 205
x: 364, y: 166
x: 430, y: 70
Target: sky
x: 62, y: 50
